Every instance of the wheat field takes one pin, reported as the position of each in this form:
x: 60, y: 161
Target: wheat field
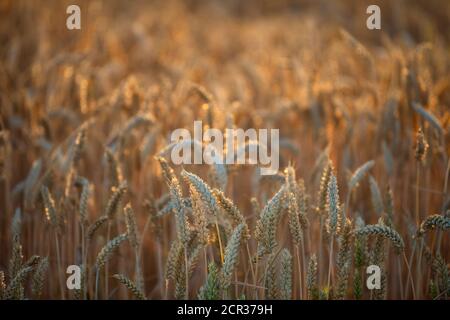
x: 86, y: 177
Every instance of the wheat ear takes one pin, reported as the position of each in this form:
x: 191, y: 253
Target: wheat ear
x: 385, y: 232
x: 231, y: 256
x: 130, y: 285
x: 432, y: 222
x: 107, y: 251
x: 286, y: 274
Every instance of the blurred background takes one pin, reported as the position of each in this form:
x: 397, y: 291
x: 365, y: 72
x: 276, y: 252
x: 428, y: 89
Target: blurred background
x: 310, y: 68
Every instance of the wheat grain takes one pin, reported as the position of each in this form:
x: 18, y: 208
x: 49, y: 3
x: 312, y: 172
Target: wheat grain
x: 421, y: 146
x: 14, y: 290
x: 211, y: 289
x: 333, y: 205
x: 130, y: 285
x: 443, y: 275
x: 286, y: 275
x: 294, y: 224
x: 385, y: 232
x: 180, y: 211
x: 49, y: 205
x: 203, y: 190
x: 200, y: 219
x: 271, y: 284
x: 323, y: 189
x: 255, y: 206
x: 115, y: 173
x: 231, y: 210
x: 78, y: 127
x: 231, y: 257
x: 174, y: 259
x: 107, y: 251
x: 432, y: 222
x: 115, y: 199
x: 343, y: 260
x: 357, y: 284
x: 15, y: 262
x: 95, y: 226
x: 168, y: 172
x: 2, y: 285
x: 311, y: 278
x: 377, y: 201
x: 84, y: 198
x: 132, y: 232
x: 359, y: 174
x: 267, y: 225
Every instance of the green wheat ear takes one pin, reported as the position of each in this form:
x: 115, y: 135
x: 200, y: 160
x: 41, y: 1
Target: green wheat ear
x: 211, y: 289
x: 286, y: 275
x: 231, y: 256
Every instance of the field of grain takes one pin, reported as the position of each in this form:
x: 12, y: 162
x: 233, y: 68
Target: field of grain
x: 86, y: 177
